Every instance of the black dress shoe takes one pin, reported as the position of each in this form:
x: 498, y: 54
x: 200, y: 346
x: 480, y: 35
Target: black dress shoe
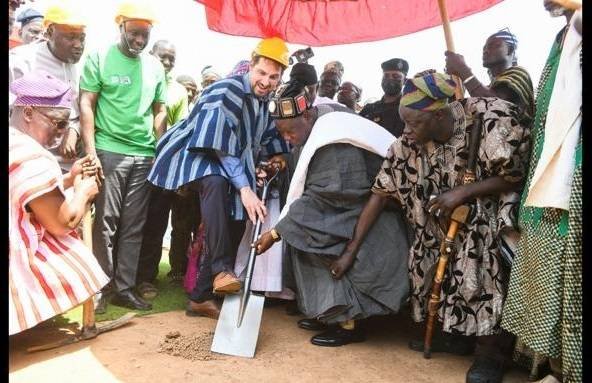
x: 130, y: 300
x: 452, y: 344
x: 312, y: 324
x: 485, y: 370
x: 337, y: 336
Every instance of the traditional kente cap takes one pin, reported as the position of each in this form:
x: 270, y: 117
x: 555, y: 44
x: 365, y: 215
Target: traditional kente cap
x: 428, y: 92
x: 290, y: 100
x: 240, y: 68
x: 39, y: 88
x: 28, y: 15
x: 396, y: 64
x: 305, y: 73
x: 507, y: 36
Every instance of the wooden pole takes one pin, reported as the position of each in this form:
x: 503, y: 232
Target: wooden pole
x: 459, y: 92
x: 89, y: 329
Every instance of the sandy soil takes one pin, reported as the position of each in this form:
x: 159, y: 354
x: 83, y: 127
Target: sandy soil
x: 134, y: 353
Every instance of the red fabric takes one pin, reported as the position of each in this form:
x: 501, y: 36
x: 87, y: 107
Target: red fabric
x: 332, y: 22
x: 12, y: 43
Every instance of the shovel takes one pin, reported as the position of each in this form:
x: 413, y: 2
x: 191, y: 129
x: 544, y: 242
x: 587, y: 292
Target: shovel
x: 237, y: 329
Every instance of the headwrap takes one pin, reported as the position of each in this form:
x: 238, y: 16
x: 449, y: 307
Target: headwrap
x: 28, y: 15
x: 290, y: 100
x: 240, y: 68
x: 396, y: 64
x: 39, y: 88
x: 305, y: 73
x: 507, y: 36
x: 429, y: 92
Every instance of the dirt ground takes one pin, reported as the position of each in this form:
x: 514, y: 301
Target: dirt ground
x: 138, y: 353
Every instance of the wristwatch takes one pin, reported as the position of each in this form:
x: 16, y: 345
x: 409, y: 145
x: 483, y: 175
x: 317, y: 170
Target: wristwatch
x: 275, y: 235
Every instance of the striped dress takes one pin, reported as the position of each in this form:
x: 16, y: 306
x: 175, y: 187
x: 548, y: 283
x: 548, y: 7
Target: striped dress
x: 47, y: 275
x: 228, y: 118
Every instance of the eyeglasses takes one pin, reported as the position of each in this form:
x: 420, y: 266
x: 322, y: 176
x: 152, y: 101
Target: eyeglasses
x: 60, y: 124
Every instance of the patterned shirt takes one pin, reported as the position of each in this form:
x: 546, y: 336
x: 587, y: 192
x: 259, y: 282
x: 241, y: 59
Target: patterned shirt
x: 518, y: 81
x: 228, y: 118
x: 474, y: 286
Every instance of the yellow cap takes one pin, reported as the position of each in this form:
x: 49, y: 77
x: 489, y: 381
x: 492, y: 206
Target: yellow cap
x: 134, y: 10
x: 64, y: 14
x: 273, y: 48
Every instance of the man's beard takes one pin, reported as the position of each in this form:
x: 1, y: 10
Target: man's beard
x: 391, y: 88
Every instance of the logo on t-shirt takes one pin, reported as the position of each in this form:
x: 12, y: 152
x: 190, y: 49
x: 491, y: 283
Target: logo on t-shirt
x: 123, y: 80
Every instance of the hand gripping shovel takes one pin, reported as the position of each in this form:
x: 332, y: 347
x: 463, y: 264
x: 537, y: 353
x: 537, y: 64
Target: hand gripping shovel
x: 237, y: 329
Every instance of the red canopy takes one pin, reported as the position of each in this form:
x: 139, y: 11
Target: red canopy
x: 332, y: 22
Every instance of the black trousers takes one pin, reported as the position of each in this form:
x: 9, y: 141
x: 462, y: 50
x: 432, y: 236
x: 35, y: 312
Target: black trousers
x: 222, y: 235
x: 185, y: 219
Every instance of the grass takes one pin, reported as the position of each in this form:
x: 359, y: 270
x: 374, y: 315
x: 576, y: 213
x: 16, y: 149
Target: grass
x: 171, y: 297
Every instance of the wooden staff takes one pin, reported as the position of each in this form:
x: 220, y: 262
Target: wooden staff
x: 89, y: 328
x: 459, y: 92
x: 459, y: 216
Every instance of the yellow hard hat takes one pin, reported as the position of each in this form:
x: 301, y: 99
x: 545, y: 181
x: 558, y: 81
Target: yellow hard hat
x: 273, y: 48
x: 134, y: 10
x: 64, y: 14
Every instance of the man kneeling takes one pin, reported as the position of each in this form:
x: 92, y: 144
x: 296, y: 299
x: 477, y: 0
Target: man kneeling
x: 331, y: 183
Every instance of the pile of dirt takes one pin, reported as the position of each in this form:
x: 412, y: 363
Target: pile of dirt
x: 193, y: 347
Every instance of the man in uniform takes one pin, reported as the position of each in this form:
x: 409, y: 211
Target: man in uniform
x: 385, y: 112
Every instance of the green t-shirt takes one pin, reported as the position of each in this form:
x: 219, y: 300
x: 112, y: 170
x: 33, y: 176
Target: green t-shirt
x: 127, y: 88
x: 176, y: 105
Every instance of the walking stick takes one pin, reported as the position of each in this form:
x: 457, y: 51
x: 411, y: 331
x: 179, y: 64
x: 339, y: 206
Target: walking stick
x: 89, y: 329
x: 459, y: 216
x: 459, y: 91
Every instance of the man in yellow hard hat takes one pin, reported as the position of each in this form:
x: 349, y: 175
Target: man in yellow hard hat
x: 214, y: 152
x: 65, y: 34
x: 123, y: 113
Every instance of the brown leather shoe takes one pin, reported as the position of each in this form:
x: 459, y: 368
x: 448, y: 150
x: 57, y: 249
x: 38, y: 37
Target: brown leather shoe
x: 208, y: 309
x: 226, y: 283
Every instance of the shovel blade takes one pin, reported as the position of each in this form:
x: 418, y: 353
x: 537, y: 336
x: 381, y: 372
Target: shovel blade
x: 239, y: 341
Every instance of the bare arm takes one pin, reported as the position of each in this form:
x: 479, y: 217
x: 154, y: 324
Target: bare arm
x: 88, y: 104
x: 160, y: 115
x: 59, y: 216
x: 455, y: 65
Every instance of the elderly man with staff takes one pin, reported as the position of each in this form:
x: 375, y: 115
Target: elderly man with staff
x: 423, y: 172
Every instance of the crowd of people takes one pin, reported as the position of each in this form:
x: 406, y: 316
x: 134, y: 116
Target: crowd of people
x: 368, y: 199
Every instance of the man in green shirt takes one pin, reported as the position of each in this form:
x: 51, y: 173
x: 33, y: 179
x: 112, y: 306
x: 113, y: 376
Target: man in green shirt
x: 123, y: 113
x: 176, y: 103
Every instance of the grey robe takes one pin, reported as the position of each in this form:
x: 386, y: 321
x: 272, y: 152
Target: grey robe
x: 321, y: 222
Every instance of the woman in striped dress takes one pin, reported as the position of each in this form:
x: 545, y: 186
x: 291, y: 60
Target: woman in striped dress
x: 50, y: 269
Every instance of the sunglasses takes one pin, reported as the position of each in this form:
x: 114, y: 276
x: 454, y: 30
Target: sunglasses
x: 60, y: 124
